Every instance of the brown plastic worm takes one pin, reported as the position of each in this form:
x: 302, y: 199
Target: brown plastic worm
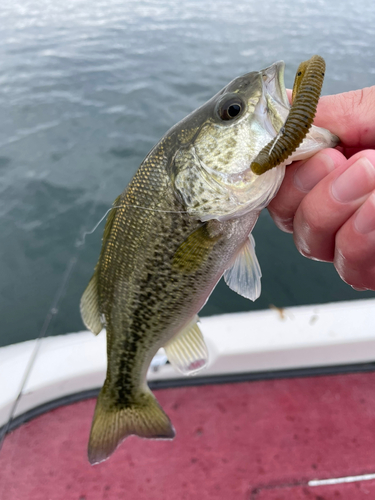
x: 306, y: 92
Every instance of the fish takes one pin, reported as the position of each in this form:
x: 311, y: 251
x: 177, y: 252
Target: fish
x: 183, y: 222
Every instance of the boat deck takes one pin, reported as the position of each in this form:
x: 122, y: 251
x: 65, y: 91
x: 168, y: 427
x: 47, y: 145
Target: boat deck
x: 257, y: 440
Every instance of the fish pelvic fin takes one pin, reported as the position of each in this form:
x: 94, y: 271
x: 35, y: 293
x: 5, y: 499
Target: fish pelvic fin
x: 89, y: 306
x: 112, y: 423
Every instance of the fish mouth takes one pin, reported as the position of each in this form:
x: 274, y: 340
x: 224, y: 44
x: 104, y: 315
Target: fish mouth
x: 274, y: 85
x: 274, y: 91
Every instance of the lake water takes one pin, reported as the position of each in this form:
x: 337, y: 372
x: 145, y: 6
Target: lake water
x: 87, y: 88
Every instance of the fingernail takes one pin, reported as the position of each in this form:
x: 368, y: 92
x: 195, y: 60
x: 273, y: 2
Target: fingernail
x: 355, y: 182
x: 364, y: 221
x: 313, y: 171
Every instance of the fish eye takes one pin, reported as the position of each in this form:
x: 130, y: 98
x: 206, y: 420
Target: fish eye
x: 230, y: 108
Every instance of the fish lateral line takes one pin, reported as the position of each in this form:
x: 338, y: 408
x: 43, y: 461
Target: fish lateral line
x: 305, y: 96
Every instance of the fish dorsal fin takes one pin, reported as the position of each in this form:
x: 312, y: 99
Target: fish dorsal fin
x: 194, y: 251
x: 187, y: 351
x: 90, y: 306
x: 244, y: 275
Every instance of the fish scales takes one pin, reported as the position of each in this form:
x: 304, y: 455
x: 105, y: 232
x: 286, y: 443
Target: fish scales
x: 184, y: 221
x: 144, y: 301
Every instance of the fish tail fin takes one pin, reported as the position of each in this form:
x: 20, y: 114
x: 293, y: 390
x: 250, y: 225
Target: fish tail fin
x: 113, y: 423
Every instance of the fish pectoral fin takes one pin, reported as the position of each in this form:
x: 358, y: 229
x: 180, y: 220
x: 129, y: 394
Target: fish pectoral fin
x: 112, y: 423
x: 89, y: 307
x: 187, y: 351
x: 244, y: 275
x: 194, y: 251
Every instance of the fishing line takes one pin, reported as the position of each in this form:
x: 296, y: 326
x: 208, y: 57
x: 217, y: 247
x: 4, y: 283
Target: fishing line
x: 81, y: 241
x: 51, y: 313
x: 53, y: 310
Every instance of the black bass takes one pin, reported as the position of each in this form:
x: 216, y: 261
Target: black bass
x: 184, y: 221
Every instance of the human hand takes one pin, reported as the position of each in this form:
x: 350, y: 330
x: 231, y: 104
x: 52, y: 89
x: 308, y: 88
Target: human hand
x: 328, y: 201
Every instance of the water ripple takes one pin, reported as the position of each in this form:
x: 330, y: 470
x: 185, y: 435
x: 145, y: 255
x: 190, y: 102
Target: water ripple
x: 86, y: 89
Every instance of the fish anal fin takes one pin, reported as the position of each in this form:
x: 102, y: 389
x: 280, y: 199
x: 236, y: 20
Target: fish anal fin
x: 187, y: 351
x: 244, y: 275
x: 194, y: 251
x: 89, y: 307
x: 113, y: 423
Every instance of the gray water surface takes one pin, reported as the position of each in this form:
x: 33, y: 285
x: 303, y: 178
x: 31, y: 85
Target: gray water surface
x: 87, y: 88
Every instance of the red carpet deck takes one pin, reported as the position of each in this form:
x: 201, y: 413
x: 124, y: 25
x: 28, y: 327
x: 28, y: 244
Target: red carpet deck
x: 250, y: 441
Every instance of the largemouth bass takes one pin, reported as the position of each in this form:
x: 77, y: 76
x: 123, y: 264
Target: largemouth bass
x: 184, y: 221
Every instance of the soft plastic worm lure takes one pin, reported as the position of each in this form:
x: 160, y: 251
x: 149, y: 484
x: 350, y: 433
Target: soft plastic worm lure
x: 306, y: 92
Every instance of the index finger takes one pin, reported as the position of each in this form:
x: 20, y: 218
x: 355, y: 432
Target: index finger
x: 350, y: 116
